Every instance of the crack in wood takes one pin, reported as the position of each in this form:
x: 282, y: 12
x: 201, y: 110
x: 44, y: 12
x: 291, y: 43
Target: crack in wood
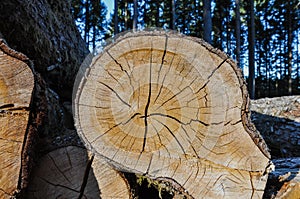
x: 118, y: 96
x: 57, y: 167
x: 58, y: 185
x: 6, y: 193
x: 85, y: 177
x: 5, y: 106
x: 162, y: 62
x: 178, y: 142
x: 148, y: 103
x: 10, y: 140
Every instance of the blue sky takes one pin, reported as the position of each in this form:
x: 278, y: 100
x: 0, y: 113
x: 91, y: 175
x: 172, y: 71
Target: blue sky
x: 110, y: 6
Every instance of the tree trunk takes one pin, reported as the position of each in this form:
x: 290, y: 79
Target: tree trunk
x: 16, y: 87
x: 251, y: 40
x: 71, y: 172
x: 171, y: 107
x: 116, y: 22
x: 173, y: 18
x: 289, y: 45
x: 207, y: 20
x: 238, y: 31
x: 135, y: 15
x: 45, y: 31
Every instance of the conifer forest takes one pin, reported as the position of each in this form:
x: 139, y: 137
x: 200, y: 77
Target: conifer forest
x: 261, y: 35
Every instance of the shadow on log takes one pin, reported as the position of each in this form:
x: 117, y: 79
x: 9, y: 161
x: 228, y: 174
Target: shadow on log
x: 70, y: 172
x: 278, y: 121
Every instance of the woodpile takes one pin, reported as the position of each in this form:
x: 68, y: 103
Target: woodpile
x: 164, y: 106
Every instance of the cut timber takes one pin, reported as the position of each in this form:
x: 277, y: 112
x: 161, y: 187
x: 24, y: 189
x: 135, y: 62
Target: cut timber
x: 284, y: 182
x: 170, y: 106
x: 70, y: 172
x: 16, y: 86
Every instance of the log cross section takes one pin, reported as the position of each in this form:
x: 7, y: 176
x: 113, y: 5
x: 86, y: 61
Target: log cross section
x: 170, y: 106
x: 16, y: 86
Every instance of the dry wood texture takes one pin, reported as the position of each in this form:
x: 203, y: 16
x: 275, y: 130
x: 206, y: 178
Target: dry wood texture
x: 171, y: 106
x: 16, y: 85
x: 70, y: 172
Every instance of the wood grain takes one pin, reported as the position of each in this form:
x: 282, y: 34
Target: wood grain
x: 71, y: 172
x: 167, y: 105
x: 16, y: 85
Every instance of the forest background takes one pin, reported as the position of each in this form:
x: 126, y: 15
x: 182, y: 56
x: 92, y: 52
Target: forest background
x: 261, y: 35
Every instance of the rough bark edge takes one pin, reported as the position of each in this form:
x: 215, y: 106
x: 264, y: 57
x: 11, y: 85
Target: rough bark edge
x: 37, y: 116
x: 245, y: 110
x: 36, y: 122
x: 11, y: 52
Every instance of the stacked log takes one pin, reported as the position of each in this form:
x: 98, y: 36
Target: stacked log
x: 70, y: 172
x: 171, y: 107
x: 16, y: 87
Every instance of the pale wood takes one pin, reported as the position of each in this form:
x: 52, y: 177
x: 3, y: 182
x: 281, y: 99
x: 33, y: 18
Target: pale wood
x: 71, y: 172
x: 16, y: 85
x: 171, y: 106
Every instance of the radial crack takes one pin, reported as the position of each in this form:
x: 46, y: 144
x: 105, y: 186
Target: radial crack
x: 85, y: 177
x: 115, y: 94
x: 148, y: 103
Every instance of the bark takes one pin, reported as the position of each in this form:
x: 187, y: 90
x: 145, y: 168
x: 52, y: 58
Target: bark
x: 16, y: 87
x: 171, y: 107
x: 71, y: 172
x: 45, y: 31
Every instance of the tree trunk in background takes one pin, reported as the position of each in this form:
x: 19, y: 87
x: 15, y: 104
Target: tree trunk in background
x: 289, y: 45
x: 251, y: 41
x: 207, y: 21
x: 238, y: 31
x: 45, y: 31
x: 87, y: 23
x: 135, y: 16
x: 116, y: 27
x: 173, y: 19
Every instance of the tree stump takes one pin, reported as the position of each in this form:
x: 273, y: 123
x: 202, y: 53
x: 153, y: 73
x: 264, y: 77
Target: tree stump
x: 71, y: 172
x: 171, y: 107
x: 16, y: 86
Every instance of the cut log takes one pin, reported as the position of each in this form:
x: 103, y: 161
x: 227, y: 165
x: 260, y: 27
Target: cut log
x: 284, y: 182
x: 16, y: 86
x: 71, y: 172
x: 170, y: 106
x: 278, y: 121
